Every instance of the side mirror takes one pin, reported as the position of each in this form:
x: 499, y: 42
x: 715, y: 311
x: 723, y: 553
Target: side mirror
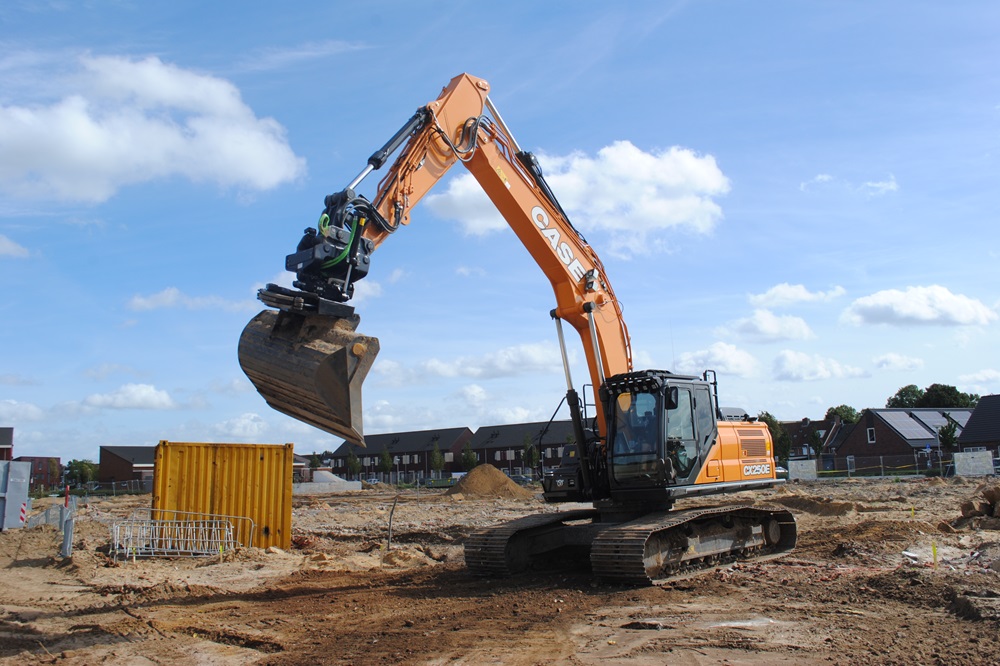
x: 670, y: 398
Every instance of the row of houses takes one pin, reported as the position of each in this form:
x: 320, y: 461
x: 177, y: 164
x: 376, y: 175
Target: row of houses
x: 892, y: 437
x: 503, y: 446
x: 410, y: 453
x: 897, y: 437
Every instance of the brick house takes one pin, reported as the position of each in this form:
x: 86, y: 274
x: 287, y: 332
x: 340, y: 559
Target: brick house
x: 503, y: 445
x: 803, y: 434
x: 6, y: 443
x: 126, y: 463
x: 982, y: 431
x: 410, y: 453
x: 897, y: 438
x: 46, y: 472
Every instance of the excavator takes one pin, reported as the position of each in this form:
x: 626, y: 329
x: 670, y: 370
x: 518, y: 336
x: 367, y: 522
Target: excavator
x: 655, y: 437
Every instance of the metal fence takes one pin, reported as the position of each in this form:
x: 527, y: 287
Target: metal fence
x: 53, y: 515
x: 167, y: 533
x: 918, y: 463
x: 171, y: 538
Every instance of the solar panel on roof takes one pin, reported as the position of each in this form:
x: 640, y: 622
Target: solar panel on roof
x: 961, y: 417
x: 932, y: 420
x: 906, y: 426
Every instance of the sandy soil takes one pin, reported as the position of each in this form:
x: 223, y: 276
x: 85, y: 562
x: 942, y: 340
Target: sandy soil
x: 884, y: 573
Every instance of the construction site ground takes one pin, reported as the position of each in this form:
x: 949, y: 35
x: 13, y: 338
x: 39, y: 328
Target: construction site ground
x: 885, y: 572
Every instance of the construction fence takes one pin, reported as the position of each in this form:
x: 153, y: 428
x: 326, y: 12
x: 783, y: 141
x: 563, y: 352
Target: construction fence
x: 919, y: 463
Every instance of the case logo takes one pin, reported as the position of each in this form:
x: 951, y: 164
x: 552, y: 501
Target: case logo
x: 562, y: 248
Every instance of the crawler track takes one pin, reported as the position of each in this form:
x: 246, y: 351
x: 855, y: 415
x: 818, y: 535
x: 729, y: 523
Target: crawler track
x: 648, y: 550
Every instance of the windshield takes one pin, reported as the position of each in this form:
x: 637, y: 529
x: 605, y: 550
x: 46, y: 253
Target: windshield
x: 636, y: 443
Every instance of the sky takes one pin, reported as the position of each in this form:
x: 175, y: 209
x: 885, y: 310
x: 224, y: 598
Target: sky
x: 802, y: 196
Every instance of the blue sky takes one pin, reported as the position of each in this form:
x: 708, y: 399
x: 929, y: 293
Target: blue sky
x: 802, y: 196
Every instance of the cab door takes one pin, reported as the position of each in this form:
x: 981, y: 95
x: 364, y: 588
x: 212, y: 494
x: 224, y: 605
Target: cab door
x: 680, y: 440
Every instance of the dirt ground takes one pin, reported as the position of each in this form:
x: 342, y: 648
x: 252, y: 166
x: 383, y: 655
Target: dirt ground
x: 884, y: 573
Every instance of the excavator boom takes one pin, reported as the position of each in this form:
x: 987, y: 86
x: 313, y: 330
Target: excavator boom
x: 308, y: 362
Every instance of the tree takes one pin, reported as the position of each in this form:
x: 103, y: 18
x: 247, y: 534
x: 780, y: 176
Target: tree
x: 385, y: 461
x: 314, y: 462
x: 55, y: 471
x: 436, y: 460
x: 943, y: 395
x: 907, y: 396
x: 948, y: 437
x: 935, y: 395
x: 815, y: 442
x: 80, y: 471
x: 353, y: 464
x: 846, y: 413
x: 782, y: 442
x: 530, y: 453
x: 469, y: 457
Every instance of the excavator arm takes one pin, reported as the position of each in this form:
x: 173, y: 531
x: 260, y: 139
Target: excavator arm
x: 308, y: 361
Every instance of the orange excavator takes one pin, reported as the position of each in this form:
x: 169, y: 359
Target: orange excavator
x: 656, y: 437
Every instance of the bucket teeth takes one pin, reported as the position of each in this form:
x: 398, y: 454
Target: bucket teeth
x: 310, y: 367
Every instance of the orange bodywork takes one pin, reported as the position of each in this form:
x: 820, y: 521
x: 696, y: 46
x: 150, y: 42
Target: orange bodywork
x: 568, y: 261
x: 743, y: 451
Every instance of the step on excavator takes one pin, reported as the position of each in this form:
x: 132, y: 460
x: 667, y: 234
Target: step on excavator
x: 656, y: 437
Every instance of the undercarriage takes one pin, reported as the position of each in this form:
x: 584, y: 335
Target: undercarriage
x: 647, y: 550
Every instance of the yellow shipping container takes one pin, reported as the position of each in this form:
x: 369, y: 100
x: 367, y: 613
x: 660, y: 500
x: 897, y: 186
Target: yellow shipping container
x: 239, y: 480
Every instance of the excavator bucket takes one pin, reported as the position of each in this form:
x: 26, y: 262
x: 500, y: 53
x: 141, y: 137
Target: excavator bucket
x: 310, y: 367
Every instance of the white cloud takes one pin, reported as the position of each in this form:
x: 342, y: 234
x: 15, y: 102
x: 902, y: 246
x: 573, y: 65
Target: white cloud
x: 105, y: 370
x: 172, y: 297
x: 765, y: 326
x: 934, y: 305
x: 122, y: 121
x: 815, y: 180
x: 131, y: 396
x: 270, y: 59
x: 469, y: 271
x: 14, y: 412
x: 726, y: 359
x: 9, y: 248
x: 796, y: 366
x: 383, y: 416
x: 16, y: 380
x: 464, y: 201
x: 245, y: 426
x: 788, y: 294
x: 473, y: 394
x: 365, y: 290
x: 878, y: 188
x: 511, y: 361
x: 893, y: 361
x: 871, y: 188
x: 985, y: 376
x: 655, y: 191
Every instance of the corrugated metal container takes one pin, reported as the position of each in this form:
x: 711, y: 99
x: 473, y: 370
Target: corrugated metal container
x: 14, y: 478
x: 248, y: 480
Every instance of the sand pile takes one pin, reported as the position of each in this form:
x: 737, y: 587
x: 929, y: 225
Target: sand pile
x: 816, y: 506
x: 487, y: 481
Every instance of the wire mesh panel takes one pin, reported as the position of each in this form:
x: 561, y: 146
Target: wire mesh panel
x: 243, y: 527
x: 172, y: 538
